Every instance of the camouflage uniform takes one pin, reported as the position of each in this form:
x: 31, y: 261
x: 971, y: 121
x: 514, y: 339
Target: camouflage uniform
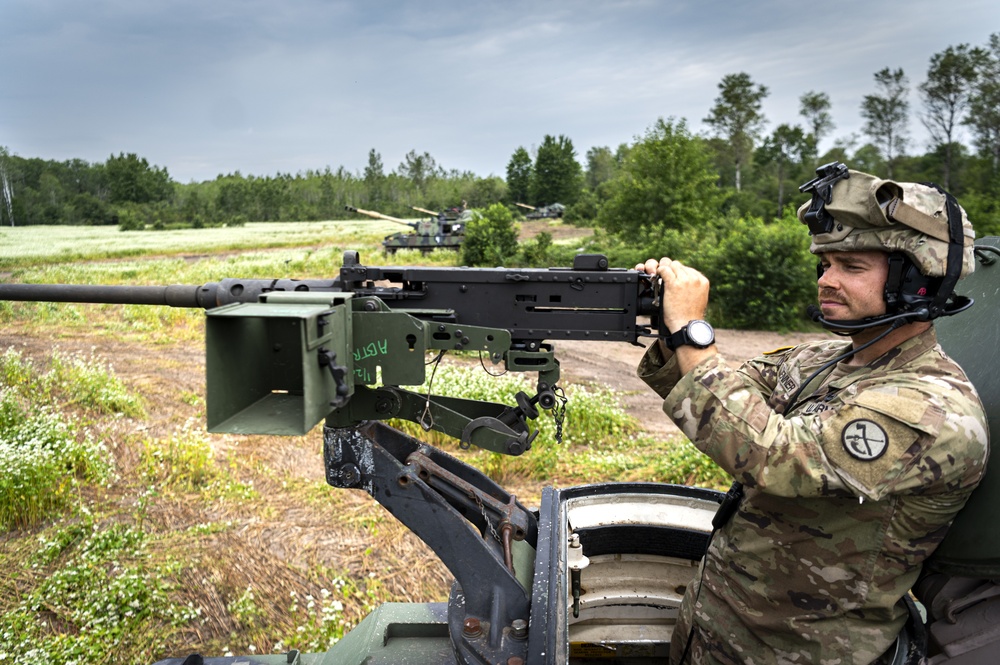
x: 845, y: 496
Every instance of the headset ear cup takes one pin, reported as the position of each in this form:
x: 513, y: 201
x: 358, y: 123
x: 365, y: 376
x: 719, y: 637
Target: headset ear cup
x: 917, y: 289
x: 906, y: 288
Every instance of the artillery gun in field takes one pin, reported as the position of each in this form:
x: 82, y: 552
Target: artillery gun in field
x: 427, y: 235
x: 594, y: 574
x: 556, y: 210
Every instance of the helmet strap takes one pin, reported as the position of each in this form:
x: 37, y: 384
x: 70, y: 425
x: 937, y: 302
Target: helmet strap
x: 956, y: 239
x: 893, y: 293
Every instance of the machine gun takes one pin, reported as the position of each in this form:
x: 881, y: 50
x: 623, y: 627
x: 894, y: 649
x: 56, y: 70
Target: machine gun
x: 283, y: 354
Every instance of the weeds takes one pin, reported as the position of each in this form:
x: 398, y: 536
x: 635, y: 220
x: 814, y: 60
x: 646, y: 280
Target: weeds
x: 96, y: 598
x: 184, y: 460
x: 41, y: 461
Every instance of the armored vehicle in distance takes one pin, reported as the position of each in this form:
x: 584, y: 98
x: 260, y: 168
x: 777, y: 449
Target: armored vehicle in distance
x: 436, y: 232
x: 554, y: 211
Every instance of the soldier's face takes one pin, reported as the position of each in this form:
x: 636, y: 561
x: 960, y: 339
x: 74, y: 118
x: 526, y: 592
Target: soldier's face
x: 852, y: 284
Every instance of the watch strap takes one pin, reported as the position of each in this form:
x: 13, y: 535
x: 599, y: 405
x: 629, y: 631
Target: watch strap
x: 682, y: 338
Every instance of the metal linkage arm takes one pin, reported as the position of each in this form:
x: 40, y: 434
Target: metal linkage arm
x: 478, y: 530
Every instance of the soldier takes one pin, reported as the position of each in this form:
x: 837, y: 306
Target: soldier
x: 855, y: 456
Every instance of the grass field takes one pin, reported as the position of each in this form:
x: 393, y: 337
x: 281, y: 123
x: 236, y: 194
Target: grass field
x: 135, y: 535
x: 30, y: 245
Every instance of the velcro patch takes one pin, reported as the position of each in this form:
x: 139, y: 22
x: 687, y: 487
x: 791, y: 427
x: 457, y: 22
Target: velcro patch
x: 908, y: 406
x: 866, y: 445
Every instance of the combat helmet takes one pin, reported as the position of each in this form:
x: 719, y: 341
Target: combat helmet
x: 922, y: 228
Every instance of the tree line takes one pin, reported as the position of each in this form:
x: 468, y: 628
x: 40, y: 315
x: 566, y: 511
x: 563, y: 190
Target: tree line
x: 667, y: 178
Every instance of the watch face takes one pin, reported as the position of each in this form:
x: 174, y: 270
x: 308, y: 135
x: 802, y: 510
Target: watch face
x: 701, y: 333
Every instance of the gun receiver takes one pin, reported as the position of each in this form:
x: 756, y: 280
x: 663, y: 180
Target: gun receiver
x: 283, y: 354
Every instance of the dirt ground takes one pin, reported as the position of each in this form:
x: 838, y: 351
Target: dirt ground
x: 558, y: 229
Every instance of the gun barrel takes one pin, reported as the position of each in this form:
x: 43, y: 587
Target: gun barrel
x: 525, y: 205
x: 206, y: 296
x: 425, y: 211
x: 377, y: 215
x: 176, y: 295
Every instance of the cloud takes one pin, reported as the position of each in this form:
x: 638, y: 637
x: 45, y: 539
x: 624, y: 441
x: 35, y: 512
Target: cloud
x: 209, y: 88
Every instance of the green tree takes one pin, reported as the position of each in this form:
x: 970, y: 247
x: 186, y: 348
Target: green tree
x: 519, y: 172
x: 815, y: 108
x: 762, y: 275
x: 667, y: 182
x: 737, y: 118
x: 234, y: 196
x: 88, y: 209
x: 271, y: 195
x: 486, y: 191
x: 132, y: 180
x: 557, y: 175
x: 785, y: 150
x: 490, y: 237
x: 418, y: 169
x: 886, y: 115
x: 374, y: 178
x: 951, y: 79
x: 601, y: 166
x: 984, y: 105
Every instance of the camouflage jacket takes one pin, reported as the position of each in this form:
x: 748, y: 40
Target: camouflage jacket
x: 845, y: 496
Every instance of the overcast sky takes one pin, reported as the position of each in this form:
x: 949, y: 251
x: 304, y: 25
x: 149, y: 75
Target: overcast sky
x: 207, y: 87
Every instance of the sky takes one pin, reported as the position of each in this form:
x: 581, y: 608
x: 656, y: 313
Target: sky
x: 210, y: 87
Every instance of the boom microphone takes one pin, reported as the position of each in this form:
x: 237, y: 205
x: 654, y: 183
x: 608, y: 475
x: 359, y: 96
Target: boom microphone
x: 919, y: 314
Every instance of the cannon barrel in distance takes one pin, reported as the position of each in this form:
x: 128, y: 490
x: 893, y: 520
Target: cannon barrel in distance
x: 377, y: 215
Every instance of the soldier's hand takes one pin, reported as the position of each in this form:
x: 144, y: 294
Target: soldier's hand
x: 685, y: 291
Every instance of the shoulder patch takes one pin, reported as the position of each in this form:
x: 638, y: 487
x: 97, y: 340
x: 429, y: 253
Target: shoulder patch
x: 780, y: 349
x: 864, y: 439
x: 866, y: 446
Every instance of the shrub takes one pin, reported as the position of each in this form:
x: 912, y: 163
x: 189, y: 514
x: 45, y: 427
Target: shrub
x: 762, y: 274
x: 490, y: 237
x: 536, y: 252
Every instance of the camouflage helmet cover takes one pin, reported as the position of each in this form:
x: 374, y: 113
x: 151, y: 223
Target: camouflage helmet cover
x: 872, y: 214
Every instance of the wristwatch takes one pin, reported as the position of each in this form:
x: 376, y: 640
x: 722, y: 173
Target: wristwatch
x: 696, y: 333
